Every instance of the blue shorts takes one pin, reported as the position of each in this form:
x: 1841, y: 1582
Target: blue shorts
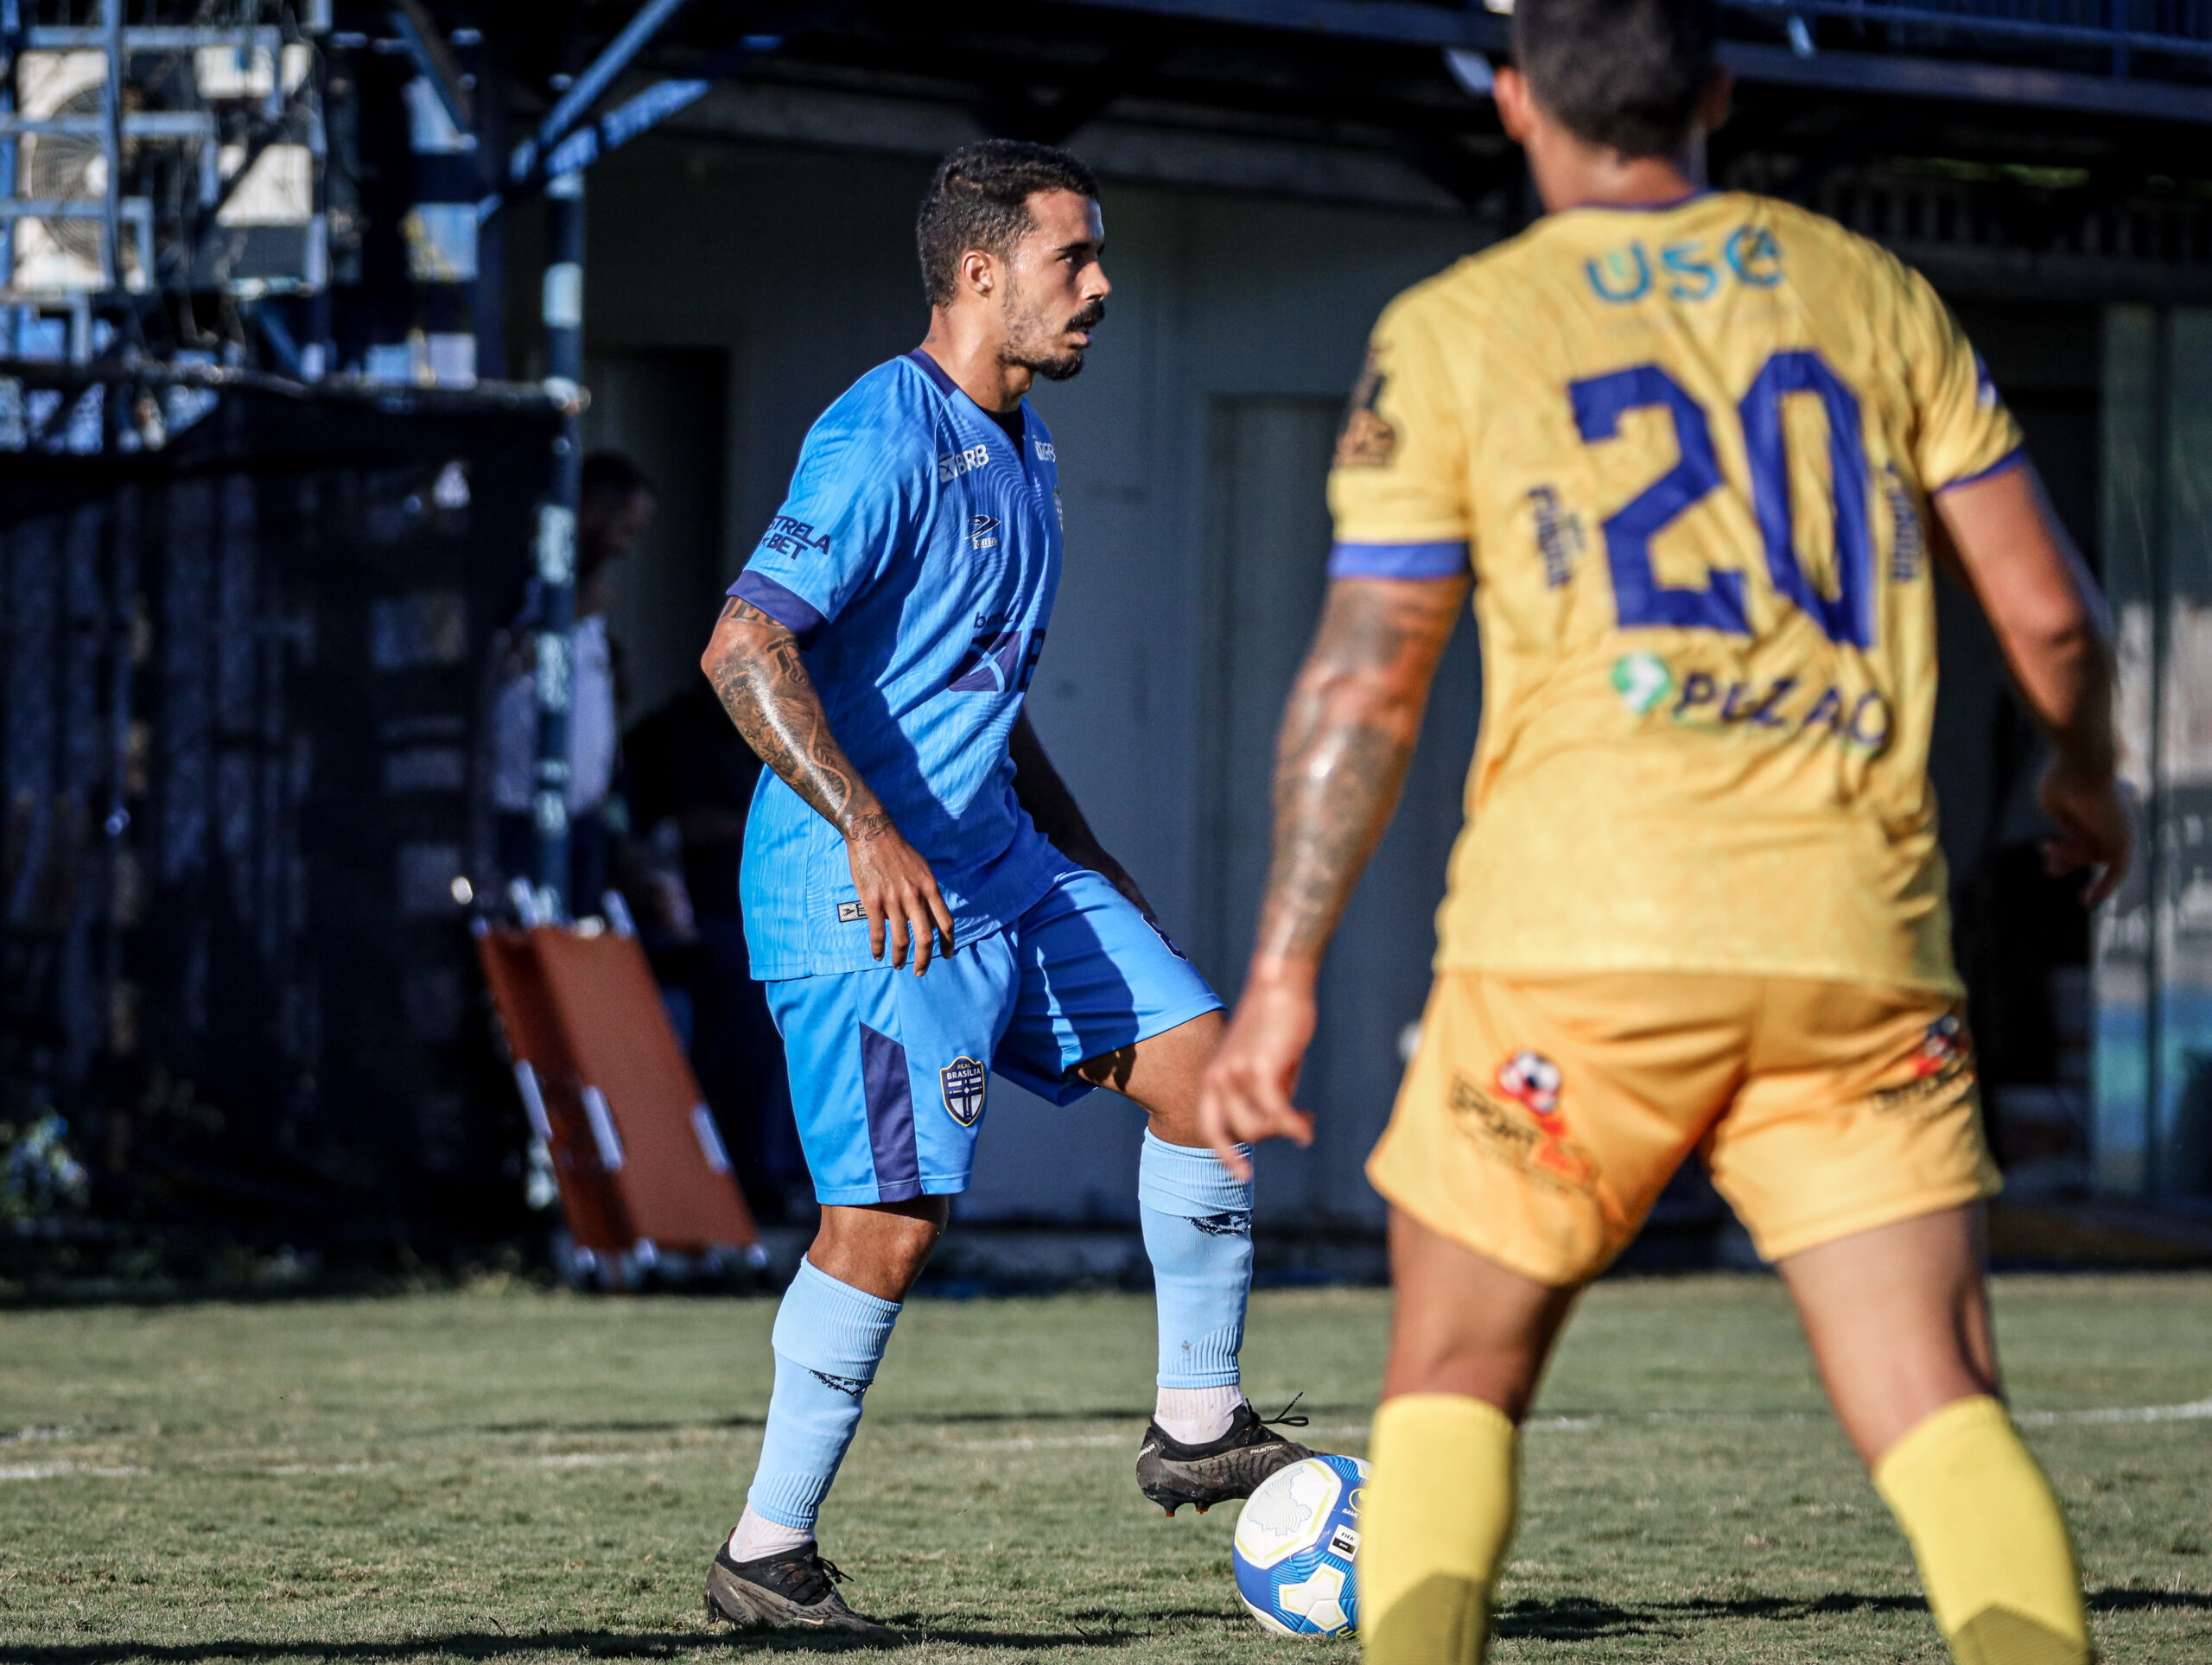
x: 889, y: 1071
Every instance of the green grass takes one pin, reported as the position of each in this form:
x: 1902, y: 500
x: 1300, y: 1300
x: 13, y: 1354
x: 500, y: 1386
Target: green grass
x: 510, y: 1474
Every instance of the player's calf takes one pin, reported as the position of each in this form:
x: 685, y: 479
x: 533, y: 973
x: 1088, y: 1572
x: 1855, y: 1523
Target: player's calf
x: 1205, y: 1445
x: 1986, y: 1530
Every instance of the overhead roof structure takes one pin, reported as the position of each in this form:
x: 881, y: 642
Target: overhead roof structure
x: 2070, y: 135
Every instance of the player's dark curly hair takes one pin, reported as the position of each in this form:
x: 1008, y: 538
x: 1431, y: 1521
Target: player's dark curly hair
x: 979, y: 199
x: 1627, y: 74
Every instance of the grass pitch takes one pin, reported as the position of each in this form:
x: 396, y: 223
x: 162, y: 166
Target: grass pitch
x: 511, y: 1475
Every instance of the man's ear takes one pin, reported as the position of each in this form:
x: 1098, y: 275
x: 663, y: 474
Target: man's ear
x: 1515, y: 107
x: 978, y: 272
x: 1720, y: 93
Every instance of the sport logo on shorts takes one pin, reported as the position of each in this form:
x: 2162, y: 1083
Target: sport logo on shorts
x: 1942, y: 1047
x: 1530, y: 1080
x: 962, y: 1081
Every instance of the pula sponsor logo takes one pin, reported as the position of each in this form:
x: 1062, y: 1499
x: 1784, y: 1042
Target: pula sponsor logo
x: 1789, y: 707
x: 953, y: 464
x: 1642, y: 680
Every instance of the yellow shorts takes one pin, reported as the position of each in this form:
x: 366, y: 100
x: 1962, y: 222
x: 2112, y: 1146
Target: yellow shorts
x: 1541, y: 1118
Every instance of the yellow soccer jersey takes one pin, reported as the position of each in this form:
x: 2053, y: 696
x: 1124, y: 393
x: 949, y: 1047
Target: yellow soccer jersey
x: 1689, y: 451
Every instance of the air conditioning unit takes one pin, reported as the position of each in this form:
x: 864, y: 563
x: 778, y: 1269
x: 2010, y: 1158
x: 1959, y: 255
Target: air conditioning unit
x: 63, y: 255
x: 244, y: 109
x: 267, y: 237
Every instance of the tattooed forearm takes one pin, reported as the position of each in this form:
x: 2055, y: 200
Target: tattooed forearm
x: 754, y: 664
x: 1347, y: 737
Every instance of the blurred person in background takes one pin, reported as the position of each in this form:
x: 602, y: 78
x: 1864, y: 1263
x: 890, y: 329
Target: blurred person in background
x: 613, y: 516
x: 688, y: 782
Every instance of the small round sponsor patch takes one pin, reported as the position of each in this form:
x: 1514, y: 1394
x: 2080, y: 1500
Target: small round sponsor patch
x: 1642, y: 680
x: 962, y: 1082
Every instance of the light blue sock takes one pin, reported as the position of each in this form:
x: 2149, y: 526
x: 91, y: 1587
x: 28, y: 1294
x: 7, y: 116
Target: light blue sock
x: 829, y: 1338
x: 1197, y: 1229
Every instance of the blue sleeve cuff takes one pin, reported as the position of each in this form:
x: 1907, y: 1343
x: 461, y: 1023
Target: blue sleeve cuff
x: 793, y: 612
x: 2012, y: 459
x: 1447, y: 560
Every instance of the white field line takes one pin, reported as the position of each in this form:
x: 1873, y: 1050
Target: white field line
x: 60, y: 1471
x: 2196, y: 1411
x: 560, y: 1460
x: 2199, y: 1410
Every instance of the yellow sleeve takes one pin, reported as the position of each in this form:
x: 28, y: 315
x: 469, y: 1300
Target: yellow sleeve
x: 1398, y: 488
x: 1963, y: 430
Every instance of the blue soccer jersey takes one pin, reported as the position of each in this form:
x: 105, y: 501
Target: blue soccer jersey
x: 915, y: 559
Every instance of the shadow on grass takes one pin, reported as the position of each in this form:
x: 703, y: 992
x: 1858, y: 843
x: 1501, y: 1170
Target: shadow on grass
x: 1136, y: 1414
x: 1567, y: 1619
x: 588, y: 1644
x: 1575, y: 1618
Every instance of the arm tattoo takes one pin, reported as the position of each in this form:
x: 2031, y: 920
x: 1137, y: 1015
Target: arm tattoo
x: 762, y: 682
x: 1347, y: 737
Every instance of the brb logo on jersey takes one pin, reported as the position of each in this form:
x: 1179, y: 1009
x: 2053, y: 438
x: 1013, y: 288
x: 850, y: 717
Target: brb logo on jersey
x: 953, y: 464
x: 962, y: 1082
x: 1530, y: 1080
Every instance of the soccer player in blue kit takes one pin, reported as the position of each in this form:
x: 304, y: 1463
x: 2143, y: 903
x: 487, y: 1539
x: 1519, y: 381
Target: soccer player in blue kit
x: 874, y: 652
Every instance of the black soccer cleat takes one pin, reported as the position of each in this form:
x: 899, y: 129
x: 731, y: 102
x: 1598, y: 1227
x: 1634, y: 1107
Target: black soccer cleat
x: 797, y: 1590
x: 1173, y: 1474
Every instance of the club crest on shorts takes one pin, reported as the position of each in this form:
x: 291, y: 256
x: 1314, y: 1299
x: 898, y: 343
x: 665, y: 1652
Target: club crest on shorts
x: 962, y: 1082
x: 1530, y: 1080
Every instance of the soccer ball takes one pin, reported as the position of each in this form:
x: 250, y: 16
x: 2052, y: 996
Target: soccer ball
x: 1294, y: 1546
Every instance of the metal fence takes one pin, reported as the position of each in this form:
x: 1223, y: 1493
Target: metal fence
x: 244, y: 630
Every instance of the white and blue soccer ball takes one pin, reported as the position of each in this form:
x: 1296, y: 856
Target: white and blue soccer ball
x: 1295, y: 1545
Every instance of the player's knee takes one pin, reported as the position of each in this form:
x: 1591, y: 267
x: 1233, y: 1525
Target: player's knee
x: 879, y: 1247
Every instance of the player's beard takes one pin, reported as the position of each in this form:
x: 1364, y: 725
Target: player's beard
x: 1032, y: 339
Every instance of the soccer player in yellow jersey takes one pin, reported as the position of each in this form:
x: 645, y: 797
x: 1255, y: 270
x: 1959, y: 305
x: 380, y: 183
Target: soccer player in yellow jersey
x: 1693, y: 450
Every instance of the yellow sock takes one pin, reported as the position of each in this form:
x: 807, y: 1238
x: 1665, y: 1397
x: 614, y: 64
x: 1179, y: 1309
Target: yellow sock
x: 1434, y: 1524
x: 1986, y: 1529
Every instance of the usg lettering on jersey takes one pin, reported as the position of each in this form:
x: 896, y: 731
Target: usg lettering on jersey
x: 788, y: 537
x: 1693, y: 270
x: 953, y: 464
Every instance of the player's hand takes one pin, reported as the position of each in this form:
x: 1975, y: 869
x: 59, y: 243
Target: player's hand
x: 898, y: 892
x: 2093, y: 830
x: 1245, y: 1095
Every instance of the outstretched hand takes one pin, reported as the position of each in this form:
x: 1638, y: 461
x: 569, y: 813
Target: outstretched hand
x: 2093, y: 831
x: 1245, y: 1095
x: 898, y: 892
